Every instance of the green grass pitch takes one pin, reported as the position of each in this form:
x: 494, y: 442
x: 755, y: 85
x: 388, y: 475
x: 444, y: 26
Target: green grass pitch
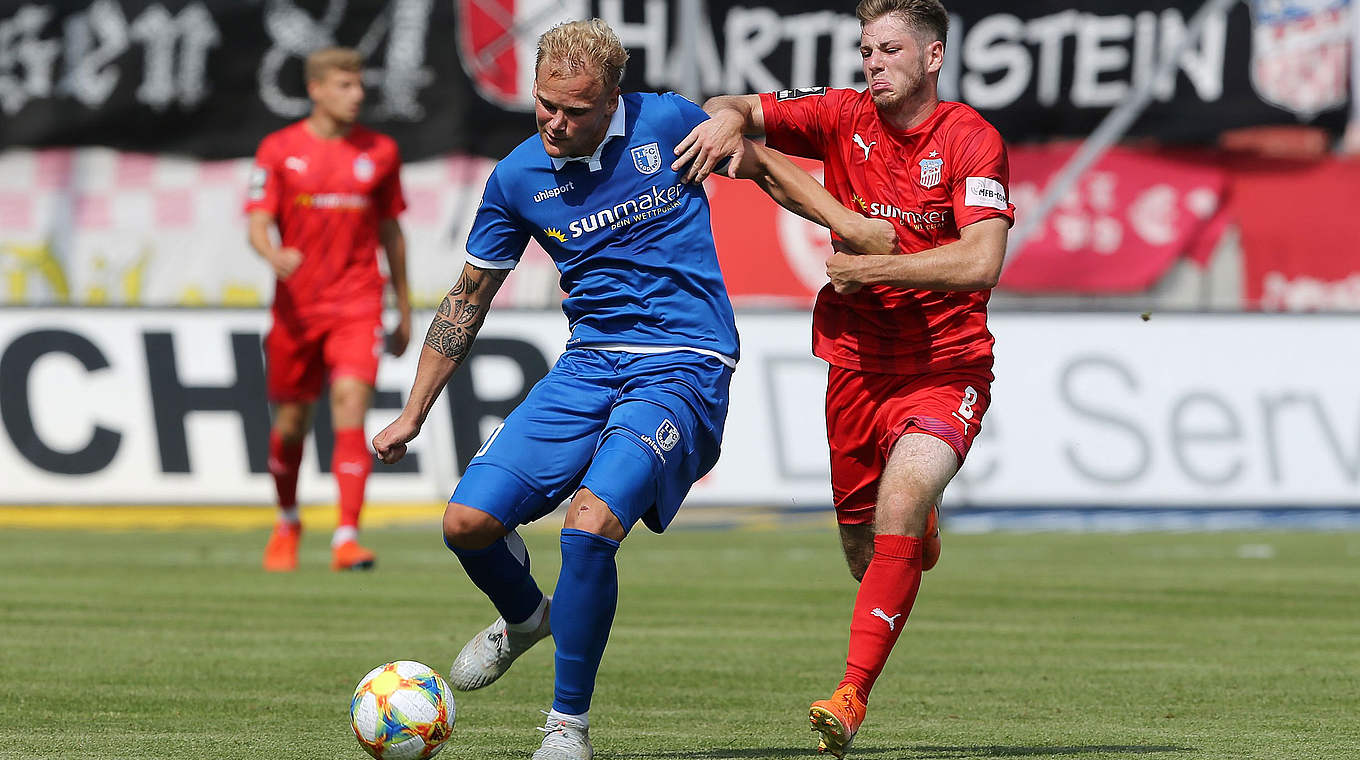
x: 1162, y: 646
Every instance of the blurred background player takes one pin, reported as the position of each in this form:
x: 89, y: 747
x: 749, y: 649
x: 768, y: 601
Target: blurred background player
x: 632, y: 414
x: 332, y: 187
x: 906, y: 335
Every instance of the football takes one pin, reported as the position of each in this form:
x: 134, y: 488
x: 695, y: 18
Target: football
x: 403, y: 710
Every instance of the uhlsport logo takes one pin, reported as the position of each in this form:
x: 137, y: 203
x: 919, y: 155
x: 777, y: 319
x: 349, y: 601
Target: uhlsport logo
x: 931, y: 170
x: 647, y: 158
x: 553, y: 192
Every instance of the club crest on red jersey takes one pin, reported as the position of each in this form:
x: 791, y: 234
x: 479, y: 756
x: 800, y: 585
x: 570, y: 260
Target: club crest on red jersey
x: 363, y: 168
x: 931, y: 170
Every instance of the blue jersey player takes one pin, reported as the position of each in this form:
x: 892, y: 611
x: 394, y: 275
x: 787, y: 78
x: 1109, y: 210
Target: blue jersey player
x: 632, y: 413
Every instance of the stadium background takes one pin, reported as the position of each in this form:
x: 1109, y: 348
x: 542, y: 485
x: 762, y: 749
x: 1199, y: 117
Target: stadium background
x: 1176, y: 324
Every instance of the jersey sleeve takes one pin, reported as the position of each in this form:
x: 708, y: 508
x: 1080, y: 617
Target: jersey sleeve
x: 497, y: 239
x: 800, y: 122
x: 981, y: 187
x: 263, y: 191
x: 691, y: 116
x: 388, y: 198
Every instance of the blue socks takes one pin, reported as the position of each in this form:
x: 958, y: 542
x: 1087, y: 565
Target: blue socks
x: 582, y: 613
x: 501, y: 571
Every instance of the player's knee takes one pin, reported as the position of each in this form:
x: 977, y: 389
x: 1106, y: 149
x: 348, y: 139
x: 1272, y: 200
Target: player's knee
x: 590, y: 514
x: 470, y: 529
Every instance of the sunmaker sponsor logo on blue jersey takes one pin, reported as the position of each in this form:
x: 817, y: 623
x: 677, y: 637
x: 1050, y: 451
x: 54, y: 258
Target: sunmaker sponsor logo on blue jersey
x: 656, y: 201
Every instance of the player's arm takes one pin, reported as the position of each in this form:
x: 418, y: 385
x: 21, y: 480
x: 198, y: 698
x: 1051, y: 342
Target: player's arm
x: 973, y: 262
x: 730, y: 117
x: 394, y: 247
x: 797, y: 191
x: 447, y: 343
x: 283, y: 260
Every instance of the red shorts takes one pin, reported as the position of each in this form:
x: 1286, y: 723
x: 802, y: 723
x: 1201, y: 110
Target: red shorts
x: 299, y: 360
x: 866, y: 412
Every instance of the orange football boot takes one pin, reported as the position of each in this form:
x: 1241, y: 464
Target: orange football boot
x: 281, y: 553
x: 837, y: 719
x: 351, y: 556
x: 930, y: 553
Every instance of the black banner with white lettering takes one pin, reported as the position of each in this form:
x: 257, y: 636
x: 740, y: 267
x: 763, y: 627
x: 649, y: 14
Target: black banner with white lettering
x: 209, y: 78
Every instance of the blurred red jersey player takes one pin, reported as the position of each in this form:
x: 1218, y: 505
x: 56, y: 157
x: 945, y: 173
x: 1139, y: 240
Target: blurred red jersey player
x: 905, y: 334
x: 333, y: 189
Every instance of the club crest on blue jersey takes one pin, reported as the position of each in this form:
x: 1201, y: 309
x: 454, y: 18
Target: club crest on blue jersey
x: 667, y: 435
x: 647, y: 158
x: 931, y: 170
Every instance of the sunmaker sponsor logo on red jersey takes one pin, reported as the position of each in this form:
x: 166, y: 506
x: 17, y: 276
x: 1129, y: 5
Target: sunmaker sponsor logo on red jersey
x: 925, y: 219
x: 332, y: 201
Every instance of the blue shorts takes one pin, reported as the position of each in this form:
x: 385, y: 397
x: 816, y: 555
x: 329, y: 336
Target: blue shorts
x: 636, y: 429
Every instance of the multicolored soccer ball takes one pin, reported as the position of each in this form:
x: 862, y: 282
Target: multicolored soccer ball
x: 402, y: 711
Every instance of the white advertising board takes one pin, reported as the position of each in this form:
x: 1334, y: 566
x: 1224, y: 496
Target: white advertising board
x: 167, y: 406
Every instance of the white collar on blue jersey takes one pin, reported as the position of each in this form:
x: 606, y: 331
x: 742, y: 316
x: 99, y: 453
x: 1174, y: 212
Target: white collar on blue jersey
x: 593, y: 161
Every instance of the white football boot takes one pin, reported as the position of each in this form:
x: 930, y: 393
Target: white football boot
x: 564, y: 738
x: 489, y: 654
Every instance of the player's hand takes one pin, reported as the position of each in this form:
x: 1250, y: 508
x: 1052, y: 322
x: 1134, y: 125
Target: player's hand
x: 390, y: 444
x: 400, y: 337
x: 843, y: 269
x: 871, y: 236
x: 707, y: 144
x: 285, y: 262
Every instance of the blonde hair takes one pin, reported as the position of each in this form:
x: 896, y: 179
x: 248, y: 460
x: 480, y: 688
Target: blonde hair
x: 927, y: 18
x: 322, y: 61
x: 578, y: 47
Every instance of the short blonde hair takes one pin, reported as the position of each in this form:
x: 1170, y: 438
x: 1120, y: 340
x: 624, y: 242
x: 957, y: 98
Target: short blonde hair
x: 578, y: 47
x: 927, y: 18
x: 322, y: 61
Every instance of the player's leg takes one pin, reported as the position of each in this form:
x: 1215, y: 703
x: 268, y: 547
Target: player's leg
x: 928, y: 425
x: 585, y: 600
x: 662, y: 436
x: 497, y: 562
x: 856, y: 462
x: 351, y: 348
x: 524, y: 470
x: 351, y: 464
x: 916, y: 473
x: 293, y: 381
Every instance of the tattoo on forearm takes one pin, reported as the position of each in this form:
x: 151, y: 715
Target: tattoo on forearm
x: 468, y: 314
x: 456, y: 324
x: 449, y: 339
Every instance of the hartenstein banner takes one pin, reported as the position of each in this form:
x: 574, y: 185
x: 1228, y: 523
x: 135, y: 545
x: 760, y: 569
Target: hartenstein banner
x: 211, y: 79
x: 139, y: 406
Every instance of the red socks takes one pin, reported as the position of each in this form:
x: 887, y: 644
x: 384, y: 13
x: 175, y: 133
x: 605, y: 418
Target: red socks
x: 351, y: 463
x: 881, y: 608
x: 284, y: 459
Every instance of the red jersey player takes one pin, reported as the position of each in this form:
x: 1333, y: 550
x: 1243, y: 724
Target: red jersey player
x: 333, y: 189
x: 905, y: 334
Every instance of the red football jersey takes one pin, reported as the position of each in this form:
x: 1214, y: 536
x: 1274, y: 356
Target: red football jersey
x: 947, y: 173
x: 327, y: 197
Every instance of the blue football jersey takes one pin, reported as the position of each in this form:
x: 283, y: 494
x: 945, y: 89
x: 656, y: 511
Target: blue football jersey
x: 633, y: 243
